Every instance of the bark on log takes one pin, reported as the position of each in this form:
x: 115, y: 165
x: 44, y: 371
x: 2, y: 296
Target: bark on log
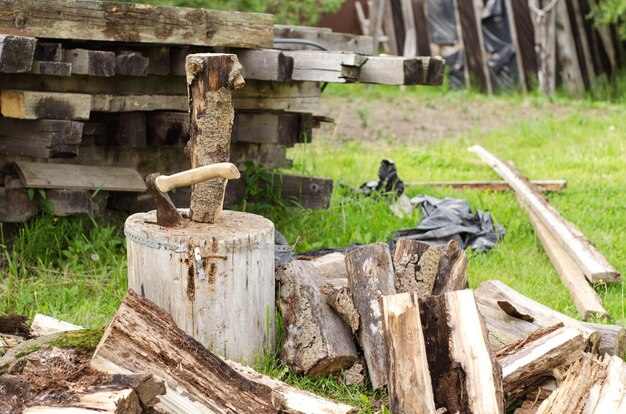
x: 452, y: 271
x: 210, y: 80
x: 408, y: 380
x: 529, y: 362
x: 505, y: 329
x: 370, y: 276
x: 416, y: 265
x: 612, y: 339
x: 143, y: 338
x: 340, y: 299
x: 318, y: 342
x: 465, y: 375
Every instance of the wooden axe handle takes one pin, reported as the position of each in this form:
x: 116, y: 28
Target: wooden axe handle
x: 224, y: 170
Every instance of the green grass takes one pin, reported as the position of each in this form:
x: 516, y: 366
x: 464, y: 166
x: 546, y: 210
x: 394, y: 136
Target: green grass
x: 75, y: 268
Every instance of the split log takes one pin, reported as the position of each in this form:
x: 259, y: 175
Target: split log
x: 590, y: 386
x: 90, y: 62
x: 452, y: 270
x: 408, y: 381
x: 465, y: 374
x: 146, y: 386
x: 212, y: 114
x: 542, y: 185
x: 589, y: 259
x: 370, y: 276
x: 135, y: 23
x: 46, y: 325
x: 45, y: 105
x: 587, y: 301
x: 612, y: 339
x: 42, y: 138
x: 331, y: 266
x: 113, y: 402
x: 16, y: 53
x: 142, y: 337
x: 340, y: 299
x: 529, y: 362
x: 501, y: 307
x: 317, y: 341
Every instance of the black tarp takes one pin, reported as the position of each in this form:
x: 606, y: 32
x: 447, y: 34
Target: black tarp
x: 497, y: 37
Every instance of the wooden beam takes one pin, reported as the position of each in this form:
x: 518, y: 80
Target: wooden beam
x: 589, y: 259
x: 339, y: 42
x: 519, y: 14
x: 51, y: 68
x: 392, y: 70
x: 44, y: 105
x: 279, y: 96
x: 284, y: 128
x: 473, y: 45
x: 79, y: 177
x: 90, y: 62
x: 42, y: 138
x: 567, y: 54
x: 322, y: 66
x: 15, y: 205
x: 134, y: 103
x: 586, y: 300
x: 542, y: 185
x: 420, y: 15
x: 265, y: 64
x: 135, y: 23
x: 129, y: 63
x: 16, y: 53
x: 516, y: 45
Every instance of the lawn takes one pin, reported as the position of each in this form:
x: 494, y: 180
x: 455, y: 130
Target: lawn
x: 75, y: 268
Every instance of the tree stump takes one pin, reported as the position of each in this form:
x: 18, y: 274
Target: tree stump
x: 217, y: 281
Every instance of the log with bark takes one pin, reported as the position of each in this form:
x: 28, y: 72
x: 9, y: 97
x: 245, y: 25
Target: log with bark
x: 143, y: 338
x: 317, y: 342
x: 612, y: 339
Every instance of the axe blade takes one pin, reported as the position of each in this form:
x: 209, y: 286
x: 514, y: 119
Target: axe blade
x: 167, y: 213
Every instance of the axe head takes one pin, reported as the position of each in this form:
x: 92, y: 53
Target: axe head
x: 167, y: 214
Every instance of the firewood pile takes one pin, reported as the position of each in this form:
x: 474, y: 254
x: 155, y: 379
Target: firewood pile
x: 94, y: 97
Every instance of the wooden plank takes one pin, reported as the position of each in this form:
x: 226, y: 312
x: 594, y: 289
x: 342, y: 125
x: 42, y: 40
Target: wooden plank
x: 130, y: 63
x: 51, y: 68
x: 90, y: 62
x: 420, y: 15
x: 137, y: 23
x: 586, y: 300
x: 79, y: 177
x: 49, y: 51
x: 589, y: 259
x: 392, y: 70
x: 410, y: 34
x: 542, y: 185
x: 16, y: 53
x: 545, y: 40
x: 473, y: 45
x: 134, y: 103
x: 41, y: 138
x: 63, y: 202
x: 516, y: 41
x: 340, y: 42
x: 570, y: 71
x: 582, y: 44
x: 612, y: 339
x: 268, y: 155
x: 15, y: 205
x: 119, y: 129
x: 288, y: 96
x: 322, y: 66
x: 284, y: 128
x: 265, y: 64
x: 44, y: 105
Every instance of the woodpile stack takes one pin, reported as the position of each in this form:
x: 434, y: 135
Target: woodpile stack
x: 437, y: 345
x: 93, y: 96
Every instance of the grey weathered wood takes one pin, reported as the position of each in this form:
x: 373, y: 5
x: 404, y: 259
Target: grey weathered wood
x: 167, y: 128
x: 143, y: 337
x: 289, y: 96
x: 51, y: 68
x: 317, y: 340
x: 212, y: 113
x: 135, y: 23
x: 90, y: 62
x: 15, y: 205
x: 415, y: 265
x: 545, y: 44
x: 465, y: 375
x: 592, y: 263
x: 325, y: 66
x: 44, y: 105
x: 41, y: 138
x: 284, y: 128
x: 612, y: 339
x: 130, y: 63
x: 341, y: 42
x: 370, y: 276
x: 570, y: 71
x: 473, y: 44
x: 49, y: 51
x: 265, y: 64
x: 62, y: 202
x: 409, y: 382
x: 127, y: 129
x: 396, y: 70
x: 134, y: 103
x: 158, y: 59
x: 420, y: 14
x: 79, y: 177
x: 268, y: 155
x: 16, y: 53
x: 452, y: 270
x: 515, y: 41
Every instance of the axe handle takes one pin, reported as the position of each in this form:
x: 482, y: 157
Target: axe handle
x: 224, y: 170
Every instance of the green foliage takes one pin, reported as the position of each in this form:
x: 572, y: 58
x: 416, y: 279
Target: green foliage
x: 303, y: 12
x: 608, y: 12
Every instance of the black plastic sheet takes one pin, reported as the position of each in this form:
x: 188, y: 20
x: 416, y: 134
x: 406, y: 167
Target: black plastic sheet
x: 497, y: 37
x: 388, y: 180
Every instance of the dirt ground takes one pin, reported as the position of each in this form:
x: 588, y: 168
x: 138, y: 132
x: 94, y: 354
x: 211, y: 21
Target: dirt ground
x: 406, y: 120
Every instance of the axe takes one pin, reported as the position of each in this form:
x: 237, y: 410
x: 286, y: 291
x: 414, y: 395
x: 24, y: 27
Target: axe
x: 158, y: 186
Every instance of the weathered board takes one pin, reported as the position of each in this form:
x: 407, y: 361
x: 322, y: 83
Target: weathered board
x: 42, y: 138
x: 79, y: 177
x: 330, y: 40
x: 137, y: 23
x: 16, y: 53
x: 44, y: 105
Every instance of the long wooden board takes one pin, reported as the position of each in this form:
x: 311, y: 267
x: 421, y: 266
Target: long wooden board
x: 137, y: 23
x: 542, y: 185
x: 342, y: 42
x: 44, y: 105
x: 79, y: 177
x: 592, y: 263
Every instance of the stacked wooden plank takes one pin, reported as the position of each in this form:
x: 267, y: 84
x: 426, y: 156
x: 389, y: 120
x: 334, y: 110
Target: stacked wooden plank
x: 102, y: 84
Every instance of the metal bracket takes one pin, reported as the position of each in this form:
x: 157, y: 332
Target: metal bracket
x: 155, y: 244
x: 275, y: 247
x: 199, y: 267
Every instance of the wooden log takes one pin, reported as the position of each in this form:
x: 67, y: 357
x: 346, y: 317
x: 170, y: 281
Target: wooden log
x: 452, y: 269
x: 415, y: 265
x: 46, y: 325
x: 409, y: 381
x: 542, y: 185
x: 340, y: 42
x: 212, y: 114
x: 134, y: 23
x: 589, y: 259
x: 79, y: 177
x: 114, y: 402
x: 340, y: 299
x: 130, y: 63
x: 90, y: 62
x: 143, y: 337
x: 587, y: 301
x: 51, y: 68
x: 527, y: 363
x: 370, y: 276
x: 392, y: 70
x: 44, y: 105
x: 505, y: 328
x: 221, y: 300
x: 41, y: 138
x: 464, y: 372
x: 16, y: 53
x: 323, y: 66
x: 331, y: 266
x: 317, y: 341
x: 590, y: 386
x: 473, y: 45
x: 612, y: 339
